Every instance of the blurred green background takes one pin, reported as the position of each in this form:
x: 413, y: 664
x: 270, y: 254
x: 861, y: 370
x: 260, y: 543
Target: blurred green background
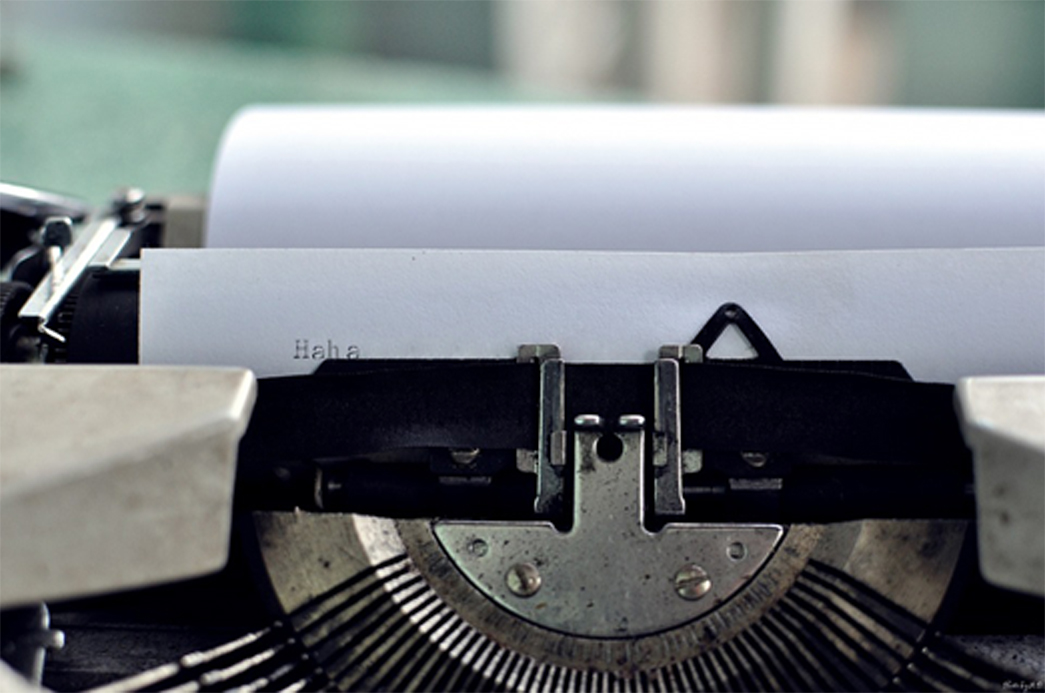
x: 103, y: 93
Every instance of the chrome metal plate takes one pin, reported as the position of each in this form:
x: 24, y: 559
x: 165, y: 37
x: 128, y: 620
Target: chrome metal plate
x: 608, y: 576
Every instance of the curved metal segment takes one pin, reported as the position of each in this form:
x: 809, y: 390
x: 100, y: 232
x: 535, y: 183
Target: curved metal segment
x: 608, y: 576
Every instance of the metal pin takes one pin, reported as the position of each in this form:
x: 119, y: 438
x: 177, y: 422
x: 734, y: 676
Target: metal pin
x: 631, y: 421
x: 588, y: 421
x: 57, y: 231
x: 55, y: 235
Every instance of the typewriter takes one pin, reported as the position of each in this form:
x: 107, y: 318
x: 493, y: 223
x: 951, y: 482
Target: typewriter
x: 380, y: 520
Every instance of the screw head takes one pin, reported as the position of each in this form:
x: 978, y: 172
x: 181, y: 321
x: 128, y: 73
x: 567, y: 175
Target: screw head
x: 692, y: 582
x: 478, y: 547
x: 523, y: 579
x: 755, y: 459
x: 464, y: 457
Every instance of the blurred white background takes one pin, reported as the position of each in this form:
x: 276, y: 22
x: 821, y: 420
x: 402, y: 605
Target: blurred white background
x: 98, y: 91
x: 915, y: 52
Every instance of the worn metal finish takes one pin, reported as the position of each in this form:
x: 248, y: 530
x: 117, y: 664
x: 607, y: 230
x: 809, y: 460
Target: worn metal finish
x: 667, y: 440
x: 588, y: 421
x: 147, y: 455
x: 692, y: 582
x: 1003, y: 420
x: 379, y: 605
x: 95, y: 246
x: 551, y: 435
x: 608, y: 604
x: 670, y: 461
x: 522, y: 579
x: 631, y: 421
x: 608, y: 576
x: 688, y: 353
x: 72, y: 253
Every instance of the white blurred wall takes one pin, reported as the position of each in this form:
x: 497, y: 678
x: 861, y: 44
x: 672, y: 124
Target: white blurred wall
x: 981, y: 53
x: 781, y: 51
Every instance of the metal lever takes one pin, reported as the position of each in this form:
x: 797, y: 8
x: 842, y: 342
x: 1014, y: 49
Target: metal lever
x: 98, y: 245
x: 669, y: 460
x: 551, y: 436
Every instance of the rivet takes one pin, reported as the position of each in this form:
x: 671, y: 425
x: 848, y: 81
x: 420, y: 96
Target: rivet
x: 588, y: 421
x: 631, y: 421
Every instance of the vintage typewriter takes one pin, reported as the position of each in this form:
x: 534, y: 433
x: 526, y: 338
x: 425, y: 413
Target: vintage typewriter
x: 687, y: 522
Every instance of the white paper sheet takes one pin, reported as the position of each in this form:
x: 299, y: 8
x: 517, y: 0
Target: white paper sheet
x: 629, y: 178
x: 943, y: 313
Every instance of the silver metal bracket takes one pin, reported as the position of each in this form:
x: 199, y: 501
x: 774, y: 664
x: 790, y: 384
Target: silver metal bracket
x: 669, y: 459
x: 1003, y: 421
x: 95, y: 243
x: 550, y: 463
x: 98, y: 245
x: 608, y: 576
